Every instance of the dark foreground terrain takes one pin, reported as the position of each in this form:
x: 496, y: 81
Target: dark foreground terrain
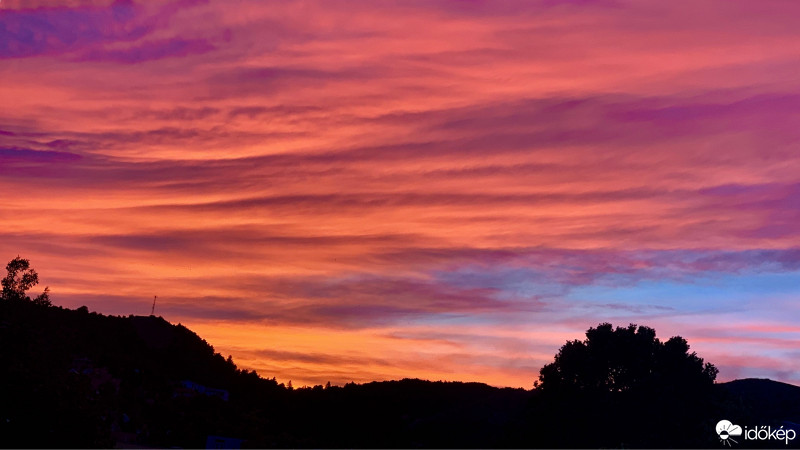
x: 71, y: 378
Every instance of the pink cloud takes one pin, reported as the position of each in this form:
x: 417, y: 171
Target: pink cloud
x: 438, y: 173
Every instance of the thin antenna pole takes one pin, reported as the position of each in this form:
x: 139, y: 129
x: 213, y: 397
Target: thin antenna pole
x: 153, y: 309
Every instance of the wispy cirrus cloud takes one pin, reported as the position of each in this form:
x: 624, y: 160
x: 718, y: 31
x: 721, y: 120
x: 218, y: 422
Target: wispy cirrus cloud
x: 455, y: 186
x: 52, y: 31
x: 23, y: 155
x: 171, y: 48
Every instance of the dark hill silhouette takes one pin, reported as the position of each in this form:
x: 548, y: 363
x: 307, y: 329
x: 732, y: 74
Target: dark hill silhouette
x: 72, y: 378
x: 80, y: 379
x: 762, y: 402
x: 768, y: 399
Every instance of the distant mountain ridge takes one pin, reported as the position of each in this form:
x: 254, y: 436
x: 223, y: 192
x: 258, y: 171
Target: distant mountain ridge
x: 78, y: 379
x: 765, y: 399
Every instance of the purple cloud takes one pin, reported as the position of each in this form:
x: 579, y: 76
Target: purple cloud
x: 149, y: 51
x: 25, y: 33
x: 18, y: 155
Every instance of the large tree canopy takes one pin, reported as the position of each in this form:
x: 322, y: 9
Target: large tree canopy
x: 620, y: 386
x: 624, y: 359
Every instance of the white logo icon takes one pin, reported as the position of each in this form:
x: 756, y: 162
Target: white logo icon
x: 725, y: 430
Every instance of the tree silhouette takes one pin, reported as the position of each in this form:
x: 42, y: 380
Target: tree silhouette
x: 624, y: 387
x: 20, y: 278
x: 625, y: 359
x: 43, y: 299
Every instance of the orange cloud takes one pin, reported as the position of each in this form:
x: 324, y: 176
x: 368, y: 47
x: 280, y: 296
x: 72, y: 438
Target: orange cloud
x: 310, y: 185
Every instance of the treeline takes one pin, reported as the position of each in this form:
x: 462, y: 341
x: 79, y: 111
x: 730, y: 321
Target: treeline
x: 74, y: 378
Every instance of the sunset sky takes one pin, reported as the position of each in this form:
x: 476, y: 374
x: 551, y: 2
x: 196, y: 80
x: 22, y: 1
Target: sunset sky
x: 449, y: 190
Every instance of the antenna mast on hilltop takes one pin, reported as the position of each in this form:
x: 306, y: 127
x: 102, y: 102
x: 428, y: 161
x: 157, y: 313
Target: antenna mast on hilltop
x: 153, y: 309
